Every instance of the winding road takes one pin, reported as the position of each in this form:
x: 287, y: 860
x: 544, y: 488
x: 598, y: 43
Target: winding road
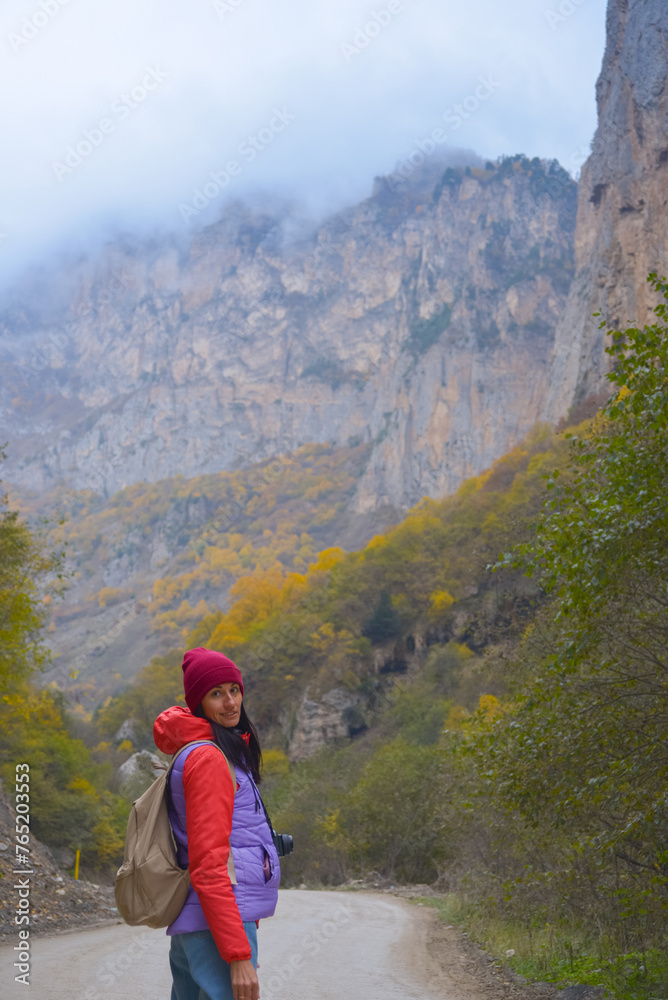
x: 318, y: 946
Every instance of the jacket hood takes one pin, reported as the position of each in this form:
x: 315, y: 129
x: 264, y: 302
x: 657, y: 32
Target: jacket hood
x: 177, y: 726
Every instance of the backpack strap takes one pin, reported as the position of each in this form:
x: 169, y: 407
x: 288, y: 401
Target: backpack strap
x: 193, y: 743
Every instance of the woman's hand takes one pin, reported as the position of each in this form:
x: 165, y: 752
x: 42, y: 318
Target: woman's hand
x: 244, y: 981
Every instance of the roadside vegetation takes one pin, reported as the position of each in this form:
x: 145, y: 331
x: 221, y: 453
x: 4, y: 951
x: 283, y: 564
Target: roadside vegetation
x: 71, y: 804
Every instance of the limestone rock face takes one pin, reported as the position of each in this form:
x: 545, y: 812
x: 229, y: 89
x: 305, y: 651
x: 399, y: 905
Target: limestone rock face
x: 126, y: 732
x: 622, y: 202
x: 420, y: 320
x: 318, y: 723
x: 138, y: 773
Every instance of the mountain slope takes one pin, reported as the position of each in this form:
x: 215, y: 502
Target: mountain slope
x: 150, y: 561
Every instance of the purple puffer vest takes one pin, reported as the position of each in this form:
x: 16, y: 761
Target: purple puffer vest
x: 250, y: 842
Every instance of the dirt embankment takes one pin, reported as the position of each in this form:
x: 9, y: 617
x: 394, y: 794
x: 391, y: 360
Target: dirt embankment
x: 57, y: 901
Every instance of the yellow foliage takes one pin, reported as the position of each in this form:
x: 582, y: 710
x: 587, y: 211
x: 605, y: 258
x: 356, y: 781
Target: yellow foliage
x: 81, y: 785
x: 456, y: 716
x: 323, y: 638
x: 327, y: 559
x: 224, y: 636
x: 257, y: 596
x: 125, y: 746
x: 439, y: 602
x: 331, y: 824
x: 463, y: 650
x: 491, y: 523
x: 225, y: 559
x: 489, y: 706
x: 185, y: 615
x: 272, y: 525
x: 165, y: 590
x: 108, y: 841
x: 332, y: 830
x: 468, y: 488
x: 110, y: 595
x: 183, y: 612
x: 274, y: 764
x: 400, y: 603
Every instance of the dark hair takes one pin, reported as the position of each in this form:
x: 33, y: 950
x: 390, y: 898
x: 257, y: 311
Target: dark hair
x: 247, y: 756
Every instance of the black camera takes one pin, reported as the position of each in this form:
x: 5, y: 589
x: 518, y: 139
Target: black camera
x: 283, y: 843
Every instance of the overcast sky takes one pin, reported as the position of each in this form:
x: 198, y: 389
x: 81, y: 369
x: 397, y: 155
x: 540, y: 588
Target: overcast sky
x: 115, y: 112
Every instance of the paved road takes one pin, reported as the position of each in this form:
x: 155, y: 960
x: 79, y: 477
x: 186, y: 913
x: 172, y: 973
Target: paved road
x: 318, y: 946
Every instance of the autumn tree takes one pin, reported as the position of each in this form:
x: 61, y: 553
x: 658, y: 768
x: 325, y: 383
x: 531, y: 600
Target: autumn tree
x: 585, y: 748
x: 28, y: 576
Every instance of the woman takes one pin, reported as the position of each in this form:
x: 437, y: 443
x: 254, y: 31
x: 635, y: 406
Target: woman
x: 214, y: 938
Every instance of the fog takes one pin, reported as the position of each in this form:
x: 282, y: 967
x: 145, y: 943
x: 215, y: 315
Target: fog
x: 145, y: 117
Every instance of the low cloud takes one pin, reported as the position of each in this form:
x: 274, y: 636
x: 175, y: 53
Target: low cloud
x: 365, y: 83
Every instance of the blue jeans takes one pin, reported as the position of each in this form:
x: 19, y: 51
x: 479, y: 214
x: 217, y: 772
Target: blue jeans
x: 198, y: 971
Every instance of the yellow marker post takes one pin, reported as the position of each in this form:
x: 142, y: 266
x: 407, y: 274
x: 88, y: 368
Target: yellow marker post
x: 76, y: 863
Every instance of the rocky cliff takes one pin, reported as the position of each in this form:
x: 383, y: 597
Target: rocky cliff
x: 622, y: 203
x: 420, y: 320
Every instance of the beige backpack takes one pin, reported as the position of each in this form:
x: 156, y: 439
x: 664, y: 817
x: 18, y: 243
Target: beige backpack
x: 150, y: 887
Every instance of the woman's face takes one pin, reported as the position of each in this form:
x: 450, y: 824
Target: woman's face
x: 222, y: 704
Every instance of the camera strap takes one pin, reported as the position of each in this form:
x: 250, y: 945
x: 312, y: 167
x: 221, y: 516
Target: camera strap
x: 258, y: 798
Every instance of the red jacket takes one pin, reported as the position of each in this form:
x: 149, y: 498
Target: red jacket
x: 209, y: 799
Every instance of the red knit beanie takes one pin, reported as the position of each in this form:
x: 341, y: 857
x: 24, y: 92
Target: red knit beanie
x: 203, y: 669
